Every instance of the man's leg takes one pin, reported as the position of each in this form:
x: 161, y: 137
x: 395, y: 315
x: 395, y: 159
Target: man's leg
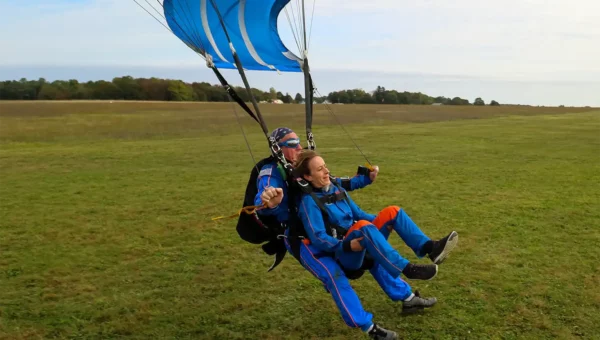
x: 399, y: 290
x: 394, y: 287
x: 329, y: 272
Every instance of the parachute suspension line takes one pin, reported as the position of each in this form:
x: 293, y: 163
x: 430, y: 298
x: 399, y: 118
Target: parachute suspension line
x: 159, y: 13
x: 240, y: 69
x: 304, y: 28
x: 231, y: 92
x: 195, y: 35
x: 292, y: 28
x: 275, y: 149
x: 237, y: 118
x: 308, y: 87
x: 299, y: 25
x: 343, y: 128
x: 167, y: 28
x: 312, y: 16
x: 152, y: 15
x: 195, y: 27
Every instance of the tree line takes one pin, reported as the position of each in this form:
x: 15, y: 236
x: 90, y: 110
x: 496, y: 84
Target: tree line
x: 129, y: 88
x: 383, y: 96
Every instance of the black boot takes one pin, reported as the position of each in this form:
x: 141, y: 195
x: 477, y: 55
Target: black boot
x: 420, y: 271
x: 443, y: 247
x: 379, y: 333
x: 417, y: 303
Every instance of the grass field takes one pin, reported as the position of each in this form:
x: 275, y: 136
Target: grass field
x: 106, y: 231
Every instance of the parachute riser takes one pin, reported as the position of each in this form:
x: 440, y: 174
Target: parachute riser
x: 308, y: 104
x: 240, y: 69
x: 287, y: 167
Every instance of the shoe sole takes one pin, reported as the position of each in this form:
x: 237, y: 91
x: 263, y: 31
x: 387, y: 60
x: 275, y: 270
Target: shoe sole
x: 450, y: 245
x: 434, y: 275
x: 415, y: 309
x: 425, y: 278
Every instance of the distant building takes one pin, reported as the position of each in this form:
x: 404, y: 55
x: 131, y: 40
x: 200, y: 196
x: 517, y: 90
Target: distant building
x: 277, y: 101
x: 436, y: 104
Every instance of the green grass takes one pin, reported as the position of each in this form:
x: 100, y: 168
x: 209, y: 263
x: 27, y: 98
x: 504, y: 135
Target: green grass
x: 106, y: 231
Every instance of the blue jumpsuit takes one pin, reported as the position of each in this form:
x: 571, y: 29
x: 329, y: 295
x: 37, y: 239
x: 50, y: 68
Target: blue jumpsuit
x: 320, y: 254
x: 269, y: 175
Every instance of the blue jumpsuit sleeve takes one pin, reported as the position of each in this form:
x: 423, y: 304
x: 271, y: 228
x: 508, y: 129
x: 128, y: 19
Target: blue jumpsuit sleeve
x: 358, y: 214
x: 269, y: 178
x: 313, y: 220
x: 356, y: 182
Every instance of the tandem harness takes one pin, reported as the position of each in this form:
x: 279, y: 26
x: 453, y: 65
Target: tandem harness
x: 335, y: 230
x: 269, y: 232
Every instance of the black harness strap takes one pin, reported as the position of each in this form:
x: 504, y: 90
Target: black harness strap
x: 332, y: 230
x: 346, y: 183
x: 332, y: 198
x: 234, y: 94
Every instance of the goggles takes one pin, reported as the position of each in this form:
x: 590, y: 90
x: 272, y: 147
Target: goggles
x: 290, y: 143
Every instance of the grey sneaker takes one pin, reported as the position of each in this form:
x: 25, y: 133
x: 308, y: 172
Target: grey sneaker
x: 417, y: 303
x: 380, y: 333
x: 443, y: 247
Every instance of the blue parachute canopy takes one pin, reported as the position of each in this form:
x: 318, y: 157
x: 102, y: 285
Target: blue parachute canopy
x: 251, y: 25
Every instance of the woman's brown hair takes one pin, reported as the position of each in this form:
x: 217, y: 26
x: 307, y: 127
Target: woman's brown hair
x: 301, y: 165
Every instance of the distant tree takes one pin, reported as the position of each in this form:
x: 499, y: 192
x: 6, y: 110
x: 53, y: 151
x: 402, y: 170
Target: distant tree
x: 273, y: 93
x: 458, y: 101
x: 320, y: 100
x: 333, y: 97
x: 287, y: 99
x: 279, y: 96
x: 200, y: 91
x: 217, y: 94
x: 179, y: 91
x: 389, y: 97
x: 455, y: 101
x: 343, y: 98
x: 48, y: 92
x: 130, y: 88
x: 366, y: 98
x: 479, y: 101
x: 105, y: 90
x: 442, y: 100
x: 379, y: 94
x: 154, y: 88
x: 260, y: 95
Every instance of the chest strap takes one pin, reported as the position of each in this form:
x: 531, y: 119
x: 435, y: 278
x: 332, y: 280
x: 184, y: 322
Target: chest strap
x: 332, y: 198
x: 332, y: 230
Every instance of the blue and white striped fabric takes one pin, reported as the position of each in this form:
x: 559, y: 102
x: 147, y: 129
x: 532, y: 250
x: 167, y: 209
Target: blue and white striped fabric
x: 252, y: 27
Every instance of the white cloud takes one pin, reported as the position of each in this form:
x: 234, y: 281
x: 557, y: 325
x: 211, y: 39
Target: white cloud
x: 507, y: 38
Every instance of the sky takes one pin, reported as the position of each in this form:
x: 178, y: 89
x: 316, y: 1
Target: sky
x: 536, y: 52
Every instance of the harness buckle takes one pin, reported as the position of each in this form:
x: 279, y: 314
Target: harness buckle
x: 310, y: 141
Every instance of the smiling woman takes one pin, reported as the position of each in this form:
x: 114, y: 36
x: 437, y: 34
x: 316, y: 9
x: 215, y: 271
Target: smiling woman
x: 340, y: 237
